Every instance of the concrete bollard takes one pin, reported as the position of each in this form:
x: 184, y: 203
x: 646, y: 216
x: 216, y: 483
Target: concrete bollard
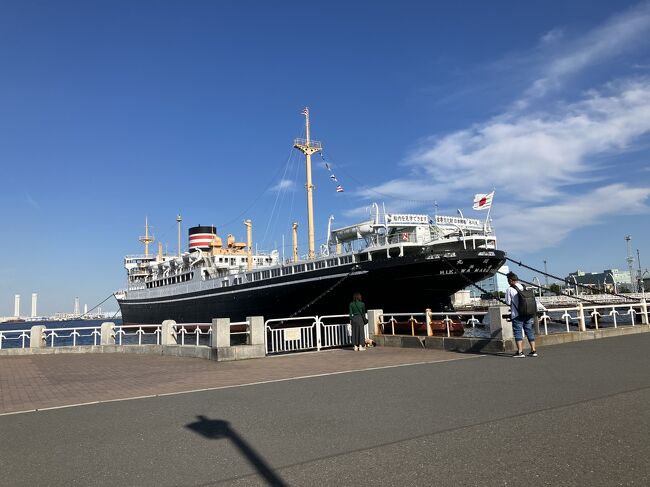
x: 500, y: 327
x: 256, y: 329
x: 108, y: 333
x: 37, y: 336
x: 374, y: 321
x: 168, y: 335
x: 581, y: 318
x: 220, y: 332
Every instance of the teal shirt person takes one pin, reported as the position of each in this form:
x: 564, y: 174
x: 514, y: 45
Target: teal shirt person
x: 357, y: 322
x: 357, y: 308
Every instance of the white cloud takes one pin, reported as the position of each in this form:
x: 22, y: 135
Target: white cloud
x: 534, y: 228
x: 552, y: 36
x: 538, y: 159
x: 284, y: 185
x: 620, y: 33
x: 531, y: 155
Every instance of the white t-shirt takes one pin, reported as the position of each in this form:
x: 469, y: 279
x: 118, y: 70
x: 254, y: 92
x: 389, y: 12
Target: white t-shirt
x: 512, y: 298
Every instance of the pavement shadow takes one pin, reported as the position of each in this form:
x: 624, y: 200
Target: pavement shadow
x: 217, y: 429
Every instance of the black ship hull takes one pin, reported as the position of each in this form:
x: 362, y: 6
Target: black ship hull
x: 397, y: 284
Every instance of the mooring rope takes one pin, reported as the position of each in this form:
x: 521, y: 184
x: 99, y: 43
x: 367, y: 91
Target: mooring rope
x: 320, y: 296
x: 455, y: 269
x: 521, y: 264
x: 112, y: 295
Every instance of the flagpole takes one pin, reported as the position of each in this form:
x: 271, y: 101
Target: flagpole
x: 487, y: 217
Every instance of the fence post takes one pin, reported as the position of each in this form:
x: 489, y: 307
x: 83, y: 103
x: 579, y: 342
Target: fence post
x: 318, y: 324
x: 168, y: 334
x: 374, y: 321
x: 256, y: 335
x: 220, y: 332
x: 581, y: 317
x: 427, y: 318
x: 108, y: 333
x: 36, y: 336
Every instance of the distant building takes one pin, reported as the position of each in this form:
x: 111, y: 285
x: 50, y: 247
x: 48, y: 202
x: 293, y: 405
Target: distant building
x: 600, y: 280
x: 34, y: 304
x: 494, y: 284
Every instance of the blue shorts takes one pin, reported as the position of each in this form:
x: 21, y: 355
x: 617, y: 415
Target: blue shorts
x: 527, y: 326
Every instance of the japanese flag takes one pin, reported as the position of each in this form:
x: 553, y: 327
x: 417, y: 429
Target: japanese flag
x: 483, y: 201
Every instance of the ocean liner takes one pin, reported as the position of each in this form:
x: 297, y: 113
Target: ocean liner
x: 399, y: 262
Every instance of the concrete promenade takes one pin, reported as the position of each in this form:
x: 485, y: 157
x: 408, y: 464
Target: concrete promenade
x: 576, y: 415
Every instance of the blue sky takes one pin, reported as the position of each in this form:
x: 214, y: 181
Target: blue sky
x: 113, y: 111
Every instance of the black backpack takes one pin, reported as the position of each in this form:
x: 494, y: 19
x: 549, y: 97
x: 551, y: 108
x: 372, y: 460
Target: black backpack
x: 527, y: 306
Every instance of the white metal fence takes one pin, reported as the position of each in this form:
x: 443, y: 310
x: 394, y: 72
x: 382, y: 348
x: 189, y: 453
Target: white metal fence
x: 595, y: 316
x: 307, y: 333
x: 186, y: 334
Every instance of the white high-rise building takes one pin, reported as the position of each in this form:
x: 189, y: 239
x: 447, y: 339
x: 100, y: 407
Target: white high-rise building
x: 17, y: 305
x: 34, y: 301
x: 85, y: 309
x: 76, y: 306
x: 492, y: 285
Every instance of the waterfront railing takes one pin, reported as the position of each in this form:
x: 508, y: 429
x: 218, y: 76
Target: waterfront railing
x: 185, y: 334
x: 306, y: 333
x: 284, y: 335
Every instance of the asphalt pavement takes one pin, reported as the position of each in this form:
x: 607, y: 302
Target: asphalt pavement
x: 575, y: 415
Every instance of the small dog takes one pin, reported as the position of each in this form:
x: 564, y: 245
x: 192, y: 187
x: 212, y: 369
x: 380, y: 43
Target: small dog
x: 370, y: 343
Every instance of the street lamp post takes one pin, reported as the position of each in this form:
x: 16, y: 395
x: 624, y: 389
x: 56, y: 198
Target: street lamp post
x: 639, y: 286
x: 545, y: 274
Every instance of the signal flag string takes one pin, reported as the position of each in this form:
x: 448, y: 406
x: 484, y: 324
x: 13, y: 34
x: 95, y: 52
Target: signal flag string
x: 339, y: 188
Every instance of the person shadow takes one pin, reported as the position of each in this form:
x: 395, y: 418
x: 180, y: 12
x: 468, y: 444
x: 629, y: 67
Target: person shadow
x: 217, y: 429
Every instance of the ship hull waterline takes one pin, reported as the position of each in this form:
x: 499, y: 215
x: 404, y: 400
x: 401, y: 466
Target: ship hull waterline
x: 400, y: 284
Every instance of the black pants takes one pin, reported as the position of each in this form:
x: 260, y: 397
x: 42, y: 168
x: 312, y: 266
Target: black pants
x: 358, y: 331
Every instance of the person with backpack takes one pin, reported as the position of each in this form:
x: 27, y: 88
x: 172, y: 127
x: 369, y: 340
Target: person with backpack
x: 523, y: 307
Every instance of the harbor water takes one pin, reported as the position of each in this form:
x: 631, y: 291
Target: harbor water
x: 14, y: 335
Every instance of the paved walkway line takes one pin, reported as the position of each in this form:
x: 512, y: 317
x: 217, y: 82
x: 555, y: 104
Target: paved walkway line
x: 207, y: 389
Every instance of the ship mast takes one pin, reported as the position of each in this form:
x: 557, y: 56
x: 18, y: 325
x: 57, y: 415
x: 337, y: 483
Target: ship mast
x: 147, y: 239
x: 309, y: 147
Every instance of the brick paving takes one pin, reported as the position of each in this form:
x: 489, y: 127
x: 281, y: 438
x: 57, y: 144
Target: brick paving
x: 43, y: 381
